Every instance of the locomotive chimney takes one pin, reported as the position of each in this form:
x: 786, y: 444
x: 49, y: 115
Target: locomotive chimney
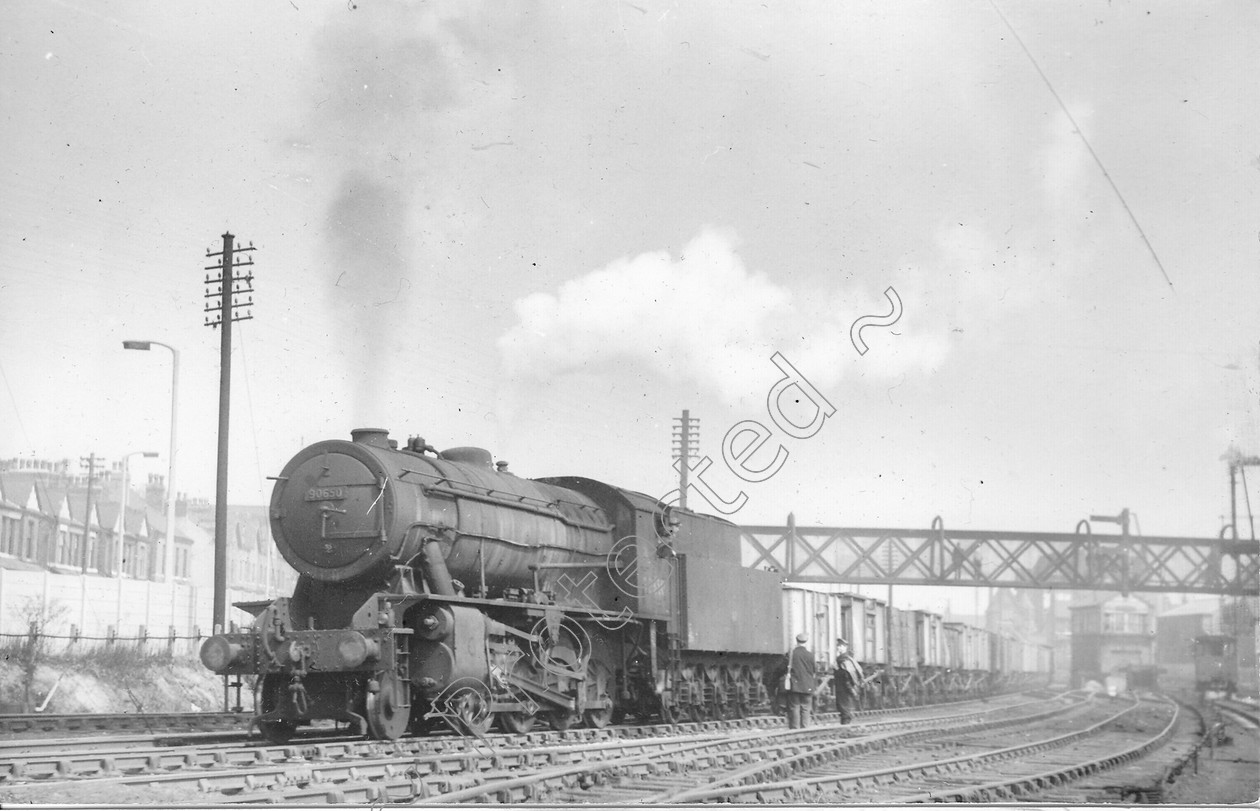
x: 376, y: 437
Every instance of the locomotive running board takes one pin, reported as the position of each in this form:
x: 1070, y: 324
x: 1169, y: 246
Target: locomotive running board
x: 254, y: 607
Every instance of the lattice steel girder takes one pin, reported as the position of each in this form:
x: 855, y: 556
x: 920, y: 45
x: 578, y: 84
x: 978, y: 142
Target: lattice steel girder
x: 939, y: 557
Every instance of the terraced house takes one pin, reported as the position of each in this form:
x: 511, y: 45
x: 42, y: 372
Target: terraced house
x: 109, y: 565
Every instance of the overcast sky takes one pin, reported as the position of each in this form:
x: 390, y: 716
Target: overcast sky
x: 548, y: 229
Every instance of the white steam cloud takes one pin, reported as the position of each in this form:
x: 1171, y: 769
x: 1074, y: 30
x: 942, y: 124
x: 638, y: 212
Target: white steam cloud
x: 702, y: 318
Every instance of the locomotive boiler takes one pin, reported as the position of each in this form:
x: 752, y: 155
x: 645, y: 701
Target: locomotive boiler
x: 442, y: 587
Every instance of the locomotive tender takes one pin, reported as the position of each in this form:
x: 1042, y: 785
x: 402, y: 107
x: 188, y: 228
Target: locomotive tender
x: 442, y: 586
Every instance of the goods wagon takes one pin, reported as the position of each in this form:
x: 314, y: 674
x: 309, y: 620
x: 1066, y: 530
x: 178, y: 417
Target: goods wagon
x: 911, y: 656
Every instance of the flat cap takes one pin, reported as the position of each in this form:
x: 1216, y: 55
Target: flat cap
x: 801, y: 637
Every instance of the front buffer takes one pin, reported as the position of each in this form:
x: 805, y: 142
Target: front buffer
x: 359, y: 674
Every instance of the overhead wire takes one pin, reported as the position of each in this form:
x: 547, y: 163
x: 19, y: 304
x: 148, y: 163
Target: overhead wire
x: 249, y: 402
x: 1084, y: 140
x: 17, y: 413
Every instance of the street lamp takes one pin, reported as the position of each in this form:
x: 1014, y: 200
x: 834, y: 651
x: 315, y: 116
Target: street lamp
x: 170, y: 477
x: 126, y: 485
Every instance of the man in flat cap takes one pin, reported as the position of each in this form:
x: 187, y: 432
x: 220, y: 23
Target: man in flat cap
x: 800, y: 667
x: 848, y: 681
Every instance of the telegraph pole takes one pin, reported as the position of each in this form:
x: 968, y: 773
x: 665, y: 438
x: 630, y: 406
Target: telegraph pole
x: 228, y: 283
x: 1239, y: 463
x: 686, y: 443
x: 91, y: 460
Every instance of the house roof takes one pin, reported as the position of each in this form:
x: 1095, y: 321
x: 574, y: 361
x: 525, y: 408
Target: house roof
x: 1116, y: 603
x: 79, y: 506
x: 108, y: 512
x: 18, y: 485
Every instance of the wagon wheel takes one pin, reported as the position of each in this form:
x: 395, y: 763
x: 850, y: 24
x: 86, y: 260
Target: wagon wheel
x: 599, y: 687
x: 900, y: 692
x: 717, y: 709
x: 740, y: 706
x: 388, y: 709
x: 561, y: 720
x: 517, y: 722
x: 669, y: 714
x: 598, y: 719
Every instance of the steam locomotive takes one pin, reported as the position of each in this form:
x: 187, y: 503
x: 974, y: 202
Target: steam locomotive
x: 440, y: 587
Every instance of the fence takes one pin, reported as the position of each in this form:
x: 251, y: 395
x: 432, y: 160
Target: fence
x: 143, y: 644
x: 76, y: 612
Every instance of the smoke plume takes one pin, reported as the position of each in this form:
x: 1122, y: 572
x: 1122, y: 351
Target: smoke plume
x: 701, y: 317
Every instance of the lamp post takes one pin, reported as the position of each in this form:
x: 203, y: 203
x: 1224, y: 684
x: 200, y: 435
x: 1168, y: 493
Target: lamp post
x: 122, y: 520
x: 170, y: 477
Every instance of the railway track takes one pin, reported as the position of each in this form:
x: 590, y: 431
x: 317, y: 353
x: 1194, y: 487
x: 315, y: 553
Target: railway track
x: 36, y: 724
x: 1000, y: 766
x: 226, y: 764
x: 1243, y: 714
x: 585, y: 763
x: 1062, y: 748
x: 841, y: 765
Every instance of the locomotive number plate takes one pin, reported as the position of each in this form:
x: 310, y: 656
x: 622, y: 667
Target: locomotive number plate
x: 325, y: 493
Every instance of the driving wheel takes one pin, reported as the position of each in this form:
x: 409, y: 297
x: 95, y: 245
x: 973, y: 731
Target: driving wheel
x: 521, y: 721
x: 471, y: 708
x: 277, y: 732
